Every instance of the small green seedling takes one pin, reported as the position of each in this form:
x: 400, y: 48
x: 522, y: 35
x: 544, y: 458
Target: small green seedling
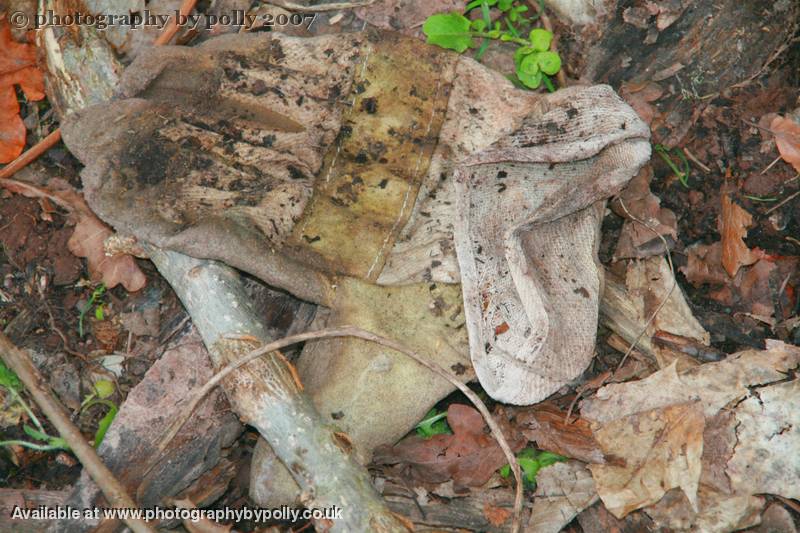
x: 530, y: 462
x: 11, y: 382
x: 96, y: 299
x: 103, y: 389
x: 434, y: 423
x: 534, y: 61
x: 666, y: 155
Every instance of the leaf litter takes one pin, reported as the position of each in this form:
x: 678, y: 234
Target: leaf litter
x: 739, y: 407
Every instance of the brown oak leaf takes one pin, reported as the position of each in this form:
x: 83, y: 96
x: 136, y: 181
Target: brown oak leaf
x: 733, y: 224
x: 17, y: 67
x: 787, y: 137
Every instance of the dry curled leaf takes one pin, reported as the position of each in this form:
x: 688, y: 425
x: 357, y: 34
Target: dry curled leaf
x: 89, y: 235
x: 87, y: 241
x: 547, y: 426
x: 733, y: 223
x: 787, y: 137
x: 17, y: 67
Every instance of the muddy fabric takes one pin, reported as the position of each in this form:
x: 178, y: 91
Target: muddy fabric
x: 372, y: 158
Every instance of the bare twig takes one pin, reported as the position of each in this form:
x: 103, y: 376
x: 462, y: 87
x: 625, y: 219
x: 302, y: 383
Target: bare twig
x: 18, y: 361
x: 352, y: 331
x: 336, y: 6
x: 172, y: 27
x: 31, y: 154
x: 782, y: 202
x: 696, y: 161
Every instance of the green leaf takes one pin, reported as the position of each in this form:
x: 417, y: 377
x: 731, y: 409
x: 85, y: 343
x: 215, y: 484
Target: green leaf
x: 98, y: 313
x: 520, y: 54
x: 549, y: 62
x: 478, y: 25
x: 531, y: 81
x: 529, y: 467
x: 540, y: 39
x: 504, y: 5
x: 434, y: 423
x: 449, y: 30
x: 35, y: 433
x: 105, y: 422
x: 494, y: 34
x: 472, y: 5
x: 8, y: 378
x: 530, y: 462
x: 528, y: 71
x: 549, y: 458
x: 529, y: 64
x: 103, y: 388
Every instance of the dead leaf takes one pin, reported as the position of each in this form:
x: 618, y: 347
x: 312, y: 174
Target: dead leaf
x: 400, y: 15
x: 87, y: 241
x: 718, y: 512
x: 562, y: 491
x: 759, y: 459
x: 17, y: 67
x: 648, y: 283
x: 545, y: 424
x: 469, y: 456
x: 661, y: 448
x: 765, y: 459
x: 714, y: 385
x: 496, y: 515
x: 636, y: 239
x: 89, y: 235
x: 704, y: 265
x: 776, y: 519
x: 733, y: 224
x: 787, y: 138
x: 640, y: 97
x: 144, y: 322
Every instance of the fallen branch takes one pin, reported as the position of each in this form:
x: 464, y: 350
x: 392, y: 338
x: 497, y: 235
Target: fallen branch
x: 352, y: 331
x: 265, y: 395
x: 18, y: 361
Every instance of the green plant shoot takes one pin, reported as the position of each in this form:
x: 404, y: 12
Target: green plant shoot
x: 530, y: 462
x: 666, y: 155
x: 434, y: 423
x: 96, y: 298
x: 12, y: 383
x: 534, y: 61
